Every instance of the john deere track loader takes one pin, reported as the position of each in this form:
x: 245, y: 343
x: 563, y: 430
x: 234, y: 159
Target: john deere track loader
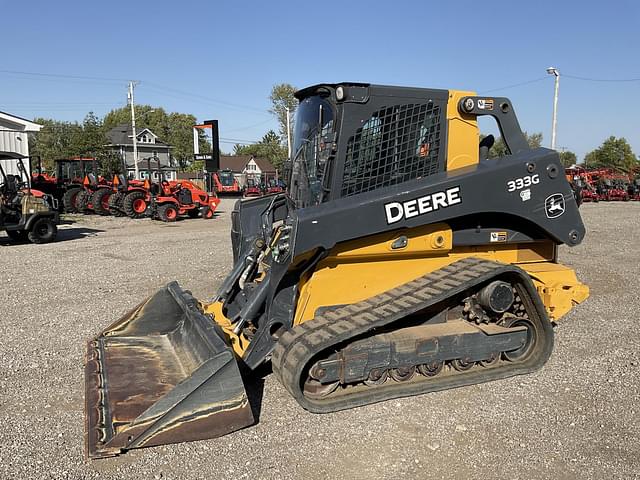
x: 401, y: 261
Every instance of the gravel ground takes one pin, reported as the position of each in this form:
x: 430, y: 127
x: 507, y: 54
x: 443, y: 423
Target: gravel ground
x: 578, y: 417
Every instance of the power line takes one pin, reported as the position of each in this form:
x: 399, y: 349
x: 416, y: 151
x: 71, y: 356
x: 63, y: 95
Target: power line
x: 237, y: 140
x: 248, y: 126
x: 163, y: 88
x: 70, y: 104
x: 154, y: 86
x: 60, y: 75
x: 238, y: 143
x: 515, y: 85
x: 587, y: 79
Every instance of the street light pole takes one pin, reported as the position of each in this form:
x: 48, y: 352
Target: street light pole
x: 554, y: 71
x: 288, y: 133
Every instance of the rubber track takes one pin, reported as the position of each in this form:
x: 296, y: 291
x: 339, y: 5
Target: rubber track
x: 297, y: 347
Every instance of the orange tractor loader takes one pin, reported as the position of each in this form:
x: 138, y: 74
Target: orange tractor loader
x: 177, y: 198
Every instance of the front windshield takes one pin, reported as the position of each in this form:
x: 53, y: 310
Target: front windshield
x: 73, y: 169
x: 226, y: 178
x: 314, y: 119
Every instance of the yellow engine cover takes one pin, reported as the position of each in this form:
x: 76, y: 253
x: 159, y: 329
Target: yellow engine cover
x: 366, y: 267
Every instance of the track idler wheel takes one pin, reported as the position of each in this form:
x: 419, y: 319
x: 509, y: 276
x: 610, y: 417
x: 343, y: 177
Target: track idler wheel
x: 521, y: 353
x: 315, y: 390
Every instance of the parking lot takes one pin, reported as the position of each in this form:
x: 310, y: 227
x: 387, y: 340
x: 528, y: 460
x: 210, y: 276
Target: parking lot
x: 578, y: 417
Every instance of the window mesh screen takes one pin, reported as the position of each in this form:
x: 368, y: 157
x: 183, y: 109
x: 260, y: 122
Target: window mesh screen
x: 396, y: 144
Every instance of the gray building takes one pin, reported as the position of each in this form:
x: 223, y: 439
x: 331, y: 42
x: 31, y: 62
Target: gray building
x: 149, y: 145
x: 14, y: 141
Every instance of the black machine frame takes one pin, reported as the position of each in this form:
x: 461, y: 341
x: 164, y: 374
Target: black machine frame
x: 478, y: 200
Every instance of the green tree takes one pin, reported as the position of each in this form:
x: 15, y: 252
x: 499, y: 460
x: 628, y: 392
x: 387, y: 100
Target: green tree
x: 91, y: 140
x: 268, y: 147
x: 614, y: 153
x: 499, y: 148
x: 195, y: 166
x: 110, y: 163
x: 55, y: 140
x: 282, y: 98
x: 568, y: 158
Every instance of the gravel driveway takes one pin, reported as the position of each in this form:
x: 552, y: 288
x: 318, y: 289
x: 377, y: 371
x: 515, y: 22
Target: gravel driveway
x: 579, y: 417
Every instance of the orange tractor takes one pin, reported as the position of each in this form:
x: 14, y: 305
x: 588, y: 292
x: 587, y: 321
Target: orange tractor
x: 65, y: 182
x: 124, y: 200
x: 164, y: 200
x: 95, y: 192
x: 177, y: 198
x: 130, y: 197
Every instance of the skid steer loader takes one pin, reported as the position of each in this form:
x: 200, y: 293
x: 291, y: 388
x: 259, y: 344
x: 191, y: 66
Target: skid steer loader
x: 401, y: 261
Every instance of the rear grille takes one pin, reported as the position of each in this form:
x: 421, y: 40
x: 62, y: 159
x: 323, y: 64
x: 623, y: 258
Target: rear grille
x: 397, y: 144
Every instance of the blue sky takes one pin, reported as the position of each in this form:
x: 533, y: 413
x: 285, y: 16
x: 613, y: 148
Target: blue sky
x: 220, y: 59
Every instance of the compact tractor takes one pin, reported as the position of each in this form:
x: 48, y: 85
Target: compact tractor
x: 25, y: 213
x: 130, y: 197
x: 94, y: 195
x: 402, y: 260
x: 65, y: 182
x: 172, y: 199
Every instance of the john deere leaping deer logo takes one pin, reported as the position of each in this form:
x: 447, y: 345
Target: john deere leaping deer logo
x: 554, y: 205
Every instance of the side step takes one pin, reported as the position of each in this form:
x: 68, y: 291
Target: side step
x: 161, y: 374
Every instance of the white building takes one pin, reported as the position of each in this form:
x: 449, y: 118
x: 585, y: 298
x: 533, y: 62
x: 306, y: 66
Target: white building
x: 13, y: 139
x: 248, y: 166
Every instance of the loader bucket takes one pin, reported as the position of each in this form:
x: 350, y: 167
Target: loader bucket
x: 161, y: 374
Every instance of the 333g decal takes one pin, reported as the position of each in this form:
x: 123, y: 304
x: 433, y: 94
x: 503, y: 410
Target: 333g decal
x: 522, y: 182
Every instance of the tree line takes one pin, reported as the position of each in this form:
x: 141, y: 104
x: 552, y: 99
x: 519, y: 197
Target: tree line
x: 60, y: 139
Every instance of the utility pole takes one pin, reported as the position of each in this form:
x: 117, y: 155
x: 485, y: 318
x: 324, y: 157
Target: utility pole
x: 288, y: 133
x: 554, y: 71
x: 132, y: 85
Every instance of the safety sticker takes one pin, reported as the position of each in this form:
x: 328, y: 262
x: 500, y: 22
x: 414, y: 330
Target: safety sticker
x: 525, y: 194
x: 485, y: 104
x: 498, y: 236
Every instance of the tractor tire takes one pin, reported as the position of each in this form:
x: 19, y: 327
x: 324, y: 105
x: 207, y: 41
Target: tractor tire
x: 43, y: 231
x: 18, y: 235
x: 70, y: 200
x: 82, y: 201
x: 168, y: 212
x: 207, y: 213
x: 115, y: 204
x: 135, y: 204
x: 100, y: 201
